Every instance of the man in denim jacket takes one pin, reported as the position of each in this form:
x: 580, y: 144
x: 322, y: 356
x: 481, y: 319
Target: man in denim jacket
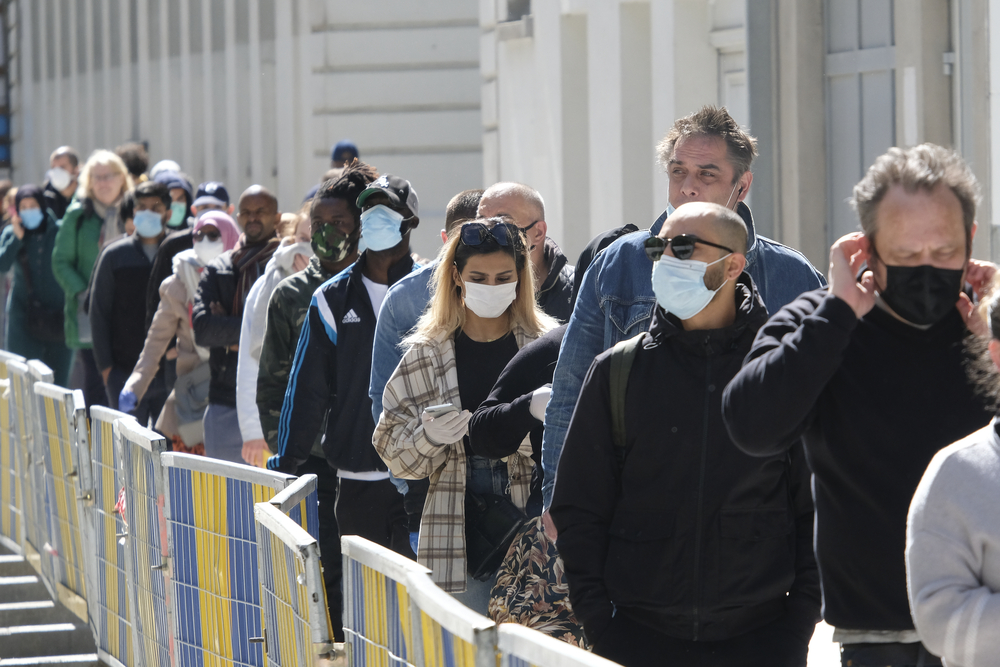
x: 707, y: 158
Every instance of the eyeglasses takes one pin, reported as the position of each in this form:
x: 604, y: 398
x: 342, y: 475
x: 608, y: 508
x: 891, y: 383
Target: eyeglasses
x: 210, y: 234
x: 104, y: 178
x: 504, y: 233
x: 681, y: 245
x: 525, y: 229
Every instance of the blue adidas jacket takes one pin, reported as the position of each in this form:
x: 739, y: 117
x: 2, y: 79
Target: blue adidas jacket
x: 330, y: 374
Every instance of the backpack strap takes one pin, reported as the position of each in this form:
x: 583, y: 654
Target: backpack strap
x: 622, y: 356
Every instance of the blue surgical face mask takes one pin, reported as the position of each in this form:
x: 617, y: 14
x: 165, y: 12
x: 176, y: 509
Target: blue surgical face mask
x: 148, y: 224
x: 679, y: 285
x: 380, y: 227
x: 178, y: 214
x: 31, y: 218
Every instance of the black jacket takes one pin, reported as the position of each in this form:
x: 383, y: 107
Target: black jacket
x: 694, y: 537
x: 218, y: 283
x: 555, y: 296
x: 330, y: 376
x: 872, y: 399
x: 117, y: 297
x: 55, y: 203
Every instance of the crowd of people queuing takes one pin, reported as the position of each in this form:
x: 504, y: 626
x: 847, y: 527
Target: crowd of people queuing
x: 685, y: 449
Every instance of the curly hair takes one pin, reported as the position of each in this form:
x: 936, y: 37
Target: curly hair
x: 711, y: 121
x: 354, y: 180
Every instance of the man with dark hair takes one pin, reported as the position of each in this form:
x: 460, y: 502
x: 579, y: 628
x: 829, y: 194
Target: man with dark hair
x: 118, y: 287
x: 335, y: 220
x: 553, y: 272
x: 343, y: 153
x: 707, y: 157
x: 332, y: 367
x: 61, y: 181
x: 217, y: 315
x: 870, y: 376
x: 136, y: 159
x: 678, y: 547
x: 401, y: 308
x: 181, y: 199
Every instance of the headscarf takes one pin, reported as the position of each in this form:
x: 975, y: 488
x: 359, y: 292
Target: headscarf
x: 32, y: 191
x: 228, y: 231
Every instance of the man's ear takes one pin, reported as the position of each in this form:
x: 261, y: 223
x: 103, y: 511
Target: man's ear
x: 743, y: 189
x: 736, y: 265
x: 444, y: 236
x: 231, y: 209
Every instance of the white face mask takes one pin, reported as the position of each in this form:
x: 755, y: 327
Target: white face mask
x: 489, y: 301
x: 208, y: 250
x: 59, y: 178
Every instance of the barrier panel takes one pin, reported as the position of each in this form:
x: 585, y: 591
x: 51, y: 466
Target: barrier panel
x: 62, y: 430
x: 519, y: 646
x: 300, y: 502
x: 11, y: 499
x: 141, y: 475
x: 297, y: 626
x: 108, y: 599
x: 449, y: 633
x: 212, y: 542
x: 37, y: 548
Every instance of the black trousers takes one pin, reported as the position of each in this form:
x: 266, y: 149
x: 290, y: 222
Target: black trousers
x: 374, y: 510
x: 634, y: 644
x: 887, y: 655
x: 327, y: 484
x: 93, y: 386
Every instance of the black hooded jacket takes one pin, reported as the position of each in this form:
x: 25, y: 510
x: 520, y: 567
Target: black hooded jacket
x: 693, y: 537
x: 555, y: 296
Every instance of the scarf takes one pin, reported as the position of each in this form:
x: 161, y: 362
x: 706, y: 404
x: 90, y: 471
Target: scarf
x: 249, y: 263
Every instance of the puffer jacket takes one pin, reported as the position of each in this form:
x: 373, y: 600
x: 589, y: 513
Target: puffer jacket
x: 73, y: 257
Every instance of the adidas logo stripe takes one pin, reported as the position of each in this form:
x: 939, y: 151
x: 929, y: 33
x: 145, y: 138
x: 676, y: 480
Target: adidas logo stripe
x: 351, y: 318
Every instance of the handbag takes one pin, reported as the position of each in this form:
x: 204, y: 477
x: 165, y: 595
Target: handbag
x: 42, y: 324
x: 491, y: 522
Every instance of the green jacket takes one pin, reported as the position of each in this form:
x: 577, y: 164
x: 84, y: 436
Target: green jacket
x: 76, y: 249
x: 286, y: 312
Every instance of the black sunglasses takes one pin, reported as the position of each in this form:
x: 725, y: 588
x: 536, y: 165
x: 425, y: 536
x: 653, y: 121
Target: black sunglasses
x: 504, y: 233
x: 681, y: 245
x: 211, y: 235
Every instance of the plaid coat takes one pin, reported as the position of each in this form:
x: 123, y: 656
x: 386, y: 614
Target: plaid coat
x: 427, y: 376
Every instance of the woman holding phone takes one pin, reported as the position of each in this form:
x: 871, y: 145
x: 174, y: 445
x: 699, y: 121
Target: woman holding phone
x: 481, y: 313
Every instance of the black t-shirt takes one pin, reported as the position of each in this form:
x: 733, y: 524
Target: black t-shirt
x: 479, y: 365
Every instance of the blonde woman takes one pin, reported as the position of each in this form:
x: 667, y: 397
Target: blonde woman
x: 481, y: 312
x: 90, y: 223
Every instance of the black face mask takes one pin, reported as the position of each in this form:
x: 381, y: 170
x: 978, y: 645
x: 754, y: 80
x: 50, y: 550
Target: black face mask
x: 921, y: 294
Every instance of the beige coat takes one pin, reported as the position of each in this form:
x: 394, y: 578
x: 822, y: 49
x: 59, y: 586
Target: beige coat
x: 172, y: 319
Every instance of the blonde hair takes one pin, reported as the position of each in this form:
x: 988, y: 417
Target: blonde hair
x: 103, y: 158
x: 445, y: 311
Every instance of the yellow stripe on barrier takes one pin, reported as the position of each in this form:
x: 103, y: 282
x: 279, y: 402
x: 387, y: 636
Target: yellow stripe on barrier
x: 210, y: 502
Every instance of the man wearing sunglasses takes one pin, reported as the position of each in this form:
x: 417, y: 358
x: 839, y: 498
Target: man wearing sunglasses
x: 330, y: 373
x: 678, y: 547
x: 707, y: 157
x: 553, y: 272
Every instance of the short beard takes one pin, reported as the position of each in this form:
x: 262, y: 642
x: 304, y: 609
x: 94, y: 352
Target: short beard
x: 715, y: 277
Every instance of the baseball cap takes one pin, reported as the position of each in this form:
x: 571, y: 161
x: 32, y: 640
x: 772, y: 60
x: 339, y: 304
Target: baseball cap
x: 163, y: 165
x: 211, y: 192
x: 344, y: 151
x: 396, y: 189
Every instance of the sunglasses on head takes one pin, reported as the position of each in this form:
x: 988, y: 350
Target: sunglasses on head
x: 681, y: 245
x: 210, y: 234
x: 504, y: 233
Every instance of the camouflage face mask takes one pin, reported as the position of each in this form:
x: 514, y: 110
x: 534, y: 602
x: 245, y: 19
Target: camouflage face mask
x: 331, y: 245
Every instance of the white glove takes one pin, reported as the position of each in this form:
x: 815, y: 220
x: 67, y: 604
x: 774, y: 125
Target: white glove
x: 540, y: 399
x: 446, y: 429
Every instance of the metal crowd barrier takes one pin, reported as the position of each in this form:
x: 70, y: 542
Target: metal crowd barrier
x: 146, y: 570
x: 62, y: 445
x: 212, y: 545
x: 37, y: 549
x: 108, y: 599
x: 519, y: 646
x: 300, y: 502
x: 296, y: 620
x: 11, y: 498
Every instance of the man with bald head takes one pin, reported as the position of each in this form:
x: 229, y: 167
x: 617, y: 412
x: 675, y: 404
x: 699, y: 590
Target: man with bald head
x: 218, y: 315
x: 553, y: 272
x: 678, y: 547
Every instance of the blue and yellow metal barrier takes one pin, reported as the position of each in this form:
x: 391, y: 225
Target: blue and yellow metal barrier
x: 519, y: 646
x: 293, y: 602
x: 300, y: 502
x: 108, y: 599
x: 62, y: 444
x: 150, y: 608
x: 212, y: 543
x: 11, y: 499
